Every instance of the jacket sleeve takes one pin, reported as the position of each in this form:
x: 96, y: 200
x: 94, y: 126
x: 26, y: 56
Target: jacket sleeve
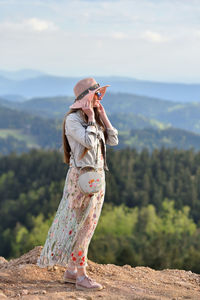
x: 112, y: 138
x: 74, y: 128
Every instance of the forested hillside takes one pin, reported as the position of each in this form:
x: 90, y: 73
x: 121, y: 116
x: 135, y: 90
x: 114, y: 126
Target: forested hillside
x: 128, y: 110
x: 157, y: 138
x: 150, y: 216
x: 20, y: 131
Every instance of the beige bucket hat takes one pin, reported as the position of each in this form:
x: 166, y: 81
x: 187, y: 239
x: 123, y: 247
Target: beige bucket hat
x: 83, y: 88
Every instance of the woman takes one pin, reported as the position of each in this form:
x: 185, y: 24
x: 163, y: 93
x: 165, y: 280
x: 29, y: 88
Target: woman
x: 86, y: 128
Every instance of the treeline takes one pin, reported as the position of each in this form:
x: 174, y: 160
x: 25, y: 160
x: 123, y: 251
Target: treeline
x: 134, y: 236
x: 139, y: 179
x: 152, y: 138
x: 161, y: 190
x: 135, y: 131
x: 45, y: 131
x: 8, y: 144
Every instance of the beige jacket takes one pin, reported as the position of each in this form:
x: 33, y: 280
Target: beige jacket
x: 80, y: 135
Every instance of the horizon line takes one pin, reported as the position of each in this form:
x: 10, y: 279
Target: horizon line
x: 47, y: 73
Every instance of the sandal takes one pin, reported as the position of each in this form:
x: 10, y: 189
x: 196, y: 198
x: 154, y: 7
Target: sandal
x: 70, y: 276
x: 86, y: 283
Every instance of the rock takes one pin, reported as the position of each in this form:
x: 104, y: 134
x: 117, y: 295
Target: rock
x: 24, y: 292
x: 3, y: 260
x: 128, y: 267
x: 2, y: 296
x: 29, y: 297
x: 89, y: 298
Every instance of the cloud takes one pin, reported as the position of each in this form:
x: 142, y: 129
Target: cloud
x: 154, y: 37
x: 119, y: 35
x: 139, y: 36
x: 40, y: 25
x: 196, y: 33
x: 28, y: 25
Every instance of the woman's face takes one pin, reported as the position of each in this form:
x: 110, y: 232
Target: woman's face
x: 96, y: 100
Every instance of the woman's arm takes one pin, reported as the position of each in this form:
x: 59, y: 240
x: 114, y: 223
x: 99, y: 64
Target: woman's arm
x: 86, y: 137
x: 112, y: 132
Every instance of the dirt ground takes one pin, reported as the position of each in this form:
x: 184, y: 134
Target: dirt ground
x: 20, y: 278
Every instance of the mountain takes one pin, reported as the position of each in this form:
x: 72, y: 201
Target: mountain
x: 21, y: 131
x: 31, y: 84
x: 179, y: 115
x: 152, y: 138
x: 181, y: 92
x: 41, y: 86
x: 4, y: 82
x: 114, y: 103
x: 126, y: 111
x: 14, y: 98
x: 21, y: 74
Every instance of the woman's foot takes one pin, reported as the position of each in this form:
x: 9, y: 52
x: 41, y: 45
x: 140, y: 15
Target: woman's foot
x: 70, y: 276
x: 84, y: 282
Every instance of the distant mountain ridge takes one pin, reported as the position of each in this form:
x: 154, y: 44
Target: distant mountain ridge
x: 32, y: 83
x: 21, y: 131
x: 126, y: 111
x: 21, y: 74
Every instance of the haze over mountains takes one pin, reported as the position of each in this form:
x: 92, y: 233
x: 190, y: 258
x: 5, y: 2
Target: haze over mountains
x: 127, y: 111
x: 33, y: 83
x: 141, y: 122
x: 30, y: 118
x: 21, y: 74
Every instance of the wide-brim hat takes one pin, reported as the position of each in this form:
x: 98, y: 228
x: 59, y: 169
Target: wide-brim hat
x: 85, y: 89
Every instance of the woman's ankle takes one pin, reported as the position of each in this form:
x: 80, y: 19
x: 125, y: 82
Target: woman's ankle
x: 73, y: 272
x: 81, y: 271
x: 71, y: 269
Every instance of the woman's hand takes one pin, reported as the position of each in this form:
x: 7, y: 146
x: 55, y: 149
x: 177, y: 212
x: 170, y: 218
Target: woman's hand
x: 88, y: 107
x: 104, y: 116
x: 101, y: 110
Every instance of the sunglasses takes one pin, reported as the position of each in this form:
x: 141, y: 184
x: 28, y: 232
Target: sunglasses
x: 98, y: 94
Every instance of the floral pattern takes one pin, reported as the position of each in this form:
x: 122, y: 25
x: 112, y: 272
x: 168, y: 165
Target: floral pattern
x: 74, y: 224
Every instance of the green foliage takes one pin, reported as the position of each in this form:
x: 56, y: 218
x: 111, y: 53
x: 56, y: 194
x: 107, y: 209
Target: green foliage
x: 176, y: 221
x: 37, y: 123
x: 117, y: 221
x: 10, y: 144
x: 29, y: 131
x: 152, y: 138
x: 144, y: 237
x: 25, y: 240
x: 150, y: 215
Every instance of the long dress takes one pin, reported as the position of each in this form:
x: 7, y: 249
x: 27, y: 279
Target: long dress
x: 74, y: 224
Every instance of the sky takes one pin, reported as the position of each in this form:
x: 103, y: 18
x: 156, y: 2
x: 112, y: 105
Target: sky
x: 156, y: 40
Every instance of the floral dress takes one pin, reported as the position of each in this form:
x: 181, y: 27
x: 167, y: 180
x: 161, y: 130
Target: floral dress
x: 74, y: 224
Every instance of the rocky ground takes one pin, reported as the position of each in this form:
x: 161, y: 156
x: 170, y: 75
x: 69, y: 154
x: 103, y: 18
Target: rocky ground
x: 20, y: 278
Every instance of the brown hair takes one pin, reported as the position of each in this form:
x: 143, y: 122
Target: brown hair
x: 65, y: 143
